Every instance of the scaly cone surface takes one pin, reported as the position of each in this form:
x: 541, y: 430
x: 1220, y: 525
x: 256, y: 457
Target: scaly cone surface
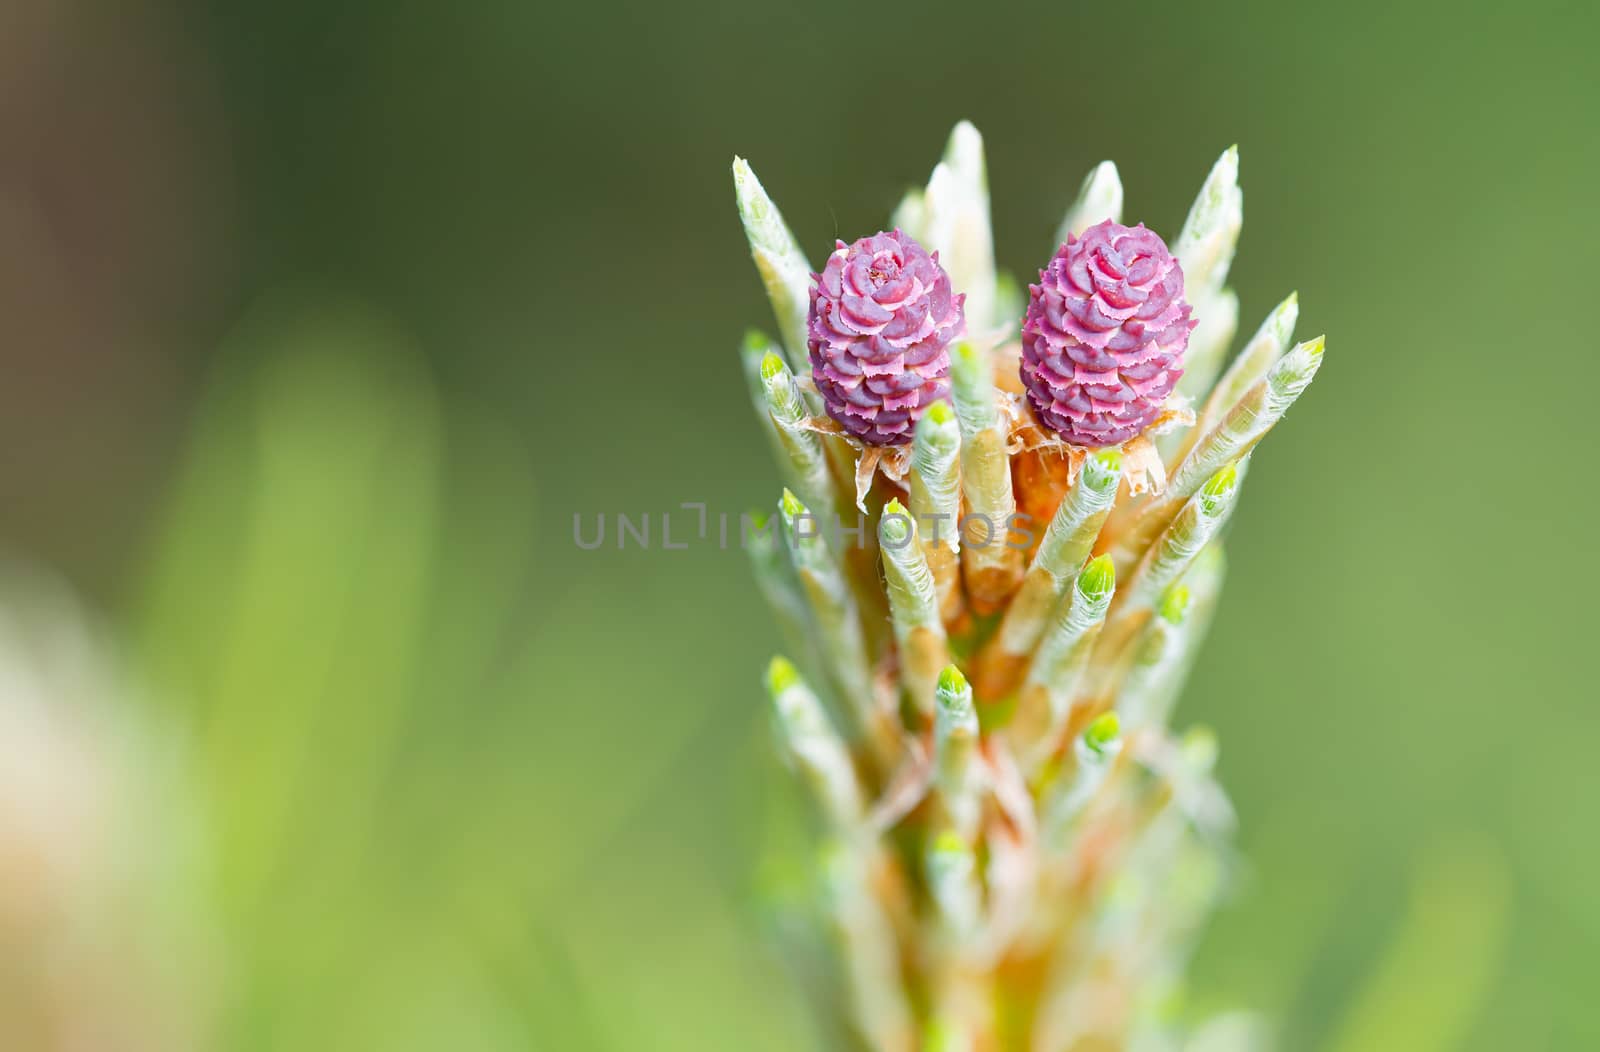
x: 1103, y: 342
x: 1019, y: 852
x: 881, y: 321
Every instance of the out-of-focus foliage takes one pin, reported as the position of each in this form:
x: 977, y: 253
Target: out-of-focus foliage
x: 327, y: 610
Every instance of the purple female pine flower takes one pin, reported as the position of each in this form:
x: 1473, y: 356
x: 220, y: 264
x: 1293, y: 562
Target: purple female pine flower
x: 881, y: 321
x: 1103, y: 342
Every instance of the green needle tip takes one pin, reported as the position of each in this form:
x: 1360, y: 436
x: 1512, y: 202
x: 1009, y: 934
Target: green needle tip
x: 1110, y: 459
x: 1175, y: 604
x: 1098, y: 578
x: 1103, y: 731
x: 951, y: 681
x: 1199, y: 749
x: 1102, y: 471
x: 895, y: 526
x: 1219, y: 488
x: 941, y: 413
x: 771, y: 366
x: 781, y: 675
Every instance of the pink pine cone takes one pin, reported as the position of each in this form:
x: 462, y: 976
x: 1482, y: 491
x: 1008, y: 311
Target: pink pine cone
x: 1103, y: 341
x: 881, y: 322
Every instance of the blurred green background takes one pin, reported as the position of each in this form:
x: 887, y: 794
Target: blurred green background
x: 322, y: 320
